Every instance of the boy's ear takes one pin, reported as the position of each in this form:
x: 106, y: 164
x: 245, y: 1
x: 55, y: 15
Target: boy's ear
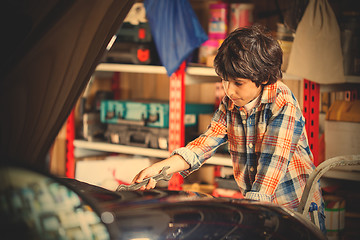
x: 263, y: 84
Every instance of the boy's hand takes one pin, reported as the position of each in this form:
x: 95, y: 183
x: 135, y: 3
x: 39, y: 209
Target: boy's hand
x: 175, y: 162
x: 147, y: 173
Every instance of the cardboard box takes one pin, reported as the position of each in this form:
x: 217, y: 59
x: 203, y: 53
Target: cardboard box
x: 111, y: 171
x: 341, y: 138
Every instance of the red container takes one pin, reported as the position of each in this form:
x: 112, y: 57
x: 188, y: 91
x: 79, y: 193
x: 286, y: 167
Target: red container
x: 218, y: 24
x: 241, y: 15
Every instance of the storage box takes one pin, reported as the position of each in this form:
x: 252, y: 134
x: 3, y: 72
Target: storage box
x: 341, y: 138
x: 111, y: 171
x: 342, y: 129
x: 134, y: 33
x: 139, y: 136
x: 135, y: 53
x: 151, y: 114
x: 142, y: 136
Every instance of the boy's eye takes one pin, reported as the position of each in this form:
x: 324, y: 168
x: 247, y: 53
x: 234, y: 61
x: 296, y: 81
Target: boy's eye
x: 238, y: 83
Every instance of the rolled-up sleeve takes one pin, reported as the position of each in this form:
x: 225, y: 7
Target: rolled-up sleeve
x: 258, y: 196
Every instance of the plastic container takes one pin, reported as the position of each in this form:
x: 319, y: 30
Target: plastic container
x: 285, y: 38
x: 241, y: 15
x: 218, y: 25
x: 150, y: 114
x: 208, y: 49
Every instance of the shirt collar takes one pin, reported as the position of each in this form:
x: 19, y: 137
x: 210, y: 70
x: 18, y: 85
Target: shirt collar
x: 269, y: 93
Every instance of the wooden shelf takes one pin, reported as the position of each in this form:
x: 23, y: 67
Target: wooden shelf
x: 116, y: 148
x: 130, y: 68
x: 343, y: 174
x: 194, y: 74
x: 218, y: 159
x: 352, y: 79
x: 153, y: 69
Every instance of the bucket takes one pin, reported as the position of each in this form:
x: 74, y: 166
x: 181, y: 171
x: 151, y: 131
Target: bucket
x: 335, y: 216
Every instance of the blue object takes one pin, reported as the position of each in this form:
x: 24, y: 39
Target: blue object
x: 175, y: 29
x: 313, y: 207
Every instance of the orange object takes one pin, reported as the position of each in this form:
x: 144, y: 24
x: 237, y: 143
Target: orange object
x: 347, y: 111
x: 143, y: 55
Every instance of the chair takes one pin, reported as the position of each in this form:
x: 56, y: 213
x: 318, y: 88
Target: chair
x: 306, y: 205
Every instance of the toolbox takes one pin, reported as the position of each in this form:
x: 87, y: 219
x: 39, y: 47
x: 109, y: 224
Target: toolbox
x: 134, y: 44
x: 150, y: 114
x: 131, y: 52
x: 142, y: 136
x: 134, y: 33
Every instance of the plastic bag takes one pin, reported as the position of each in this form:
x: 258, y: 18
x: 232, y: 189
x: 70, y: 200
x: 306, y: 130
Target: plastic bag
x: 316, y: 51
x: 175, y: 29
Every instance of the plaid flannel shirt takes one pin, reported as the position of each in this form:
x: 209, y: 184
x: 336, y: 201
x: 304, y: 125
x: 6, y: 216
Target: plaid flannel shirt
x: 268, y: 146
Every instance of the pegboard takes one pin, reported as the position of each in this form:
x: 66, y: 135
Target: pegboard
x: 70, y: 137
x: 176, y: 119
x: 311, y: 114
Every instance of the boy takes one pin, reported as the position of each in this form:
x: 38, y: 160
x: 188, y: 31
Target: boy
x: 259, y: 118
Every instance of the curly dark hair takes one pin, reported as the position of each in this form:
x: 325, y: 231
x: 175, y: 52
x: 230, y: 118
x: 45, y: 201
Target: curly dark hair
x: 250, y: 53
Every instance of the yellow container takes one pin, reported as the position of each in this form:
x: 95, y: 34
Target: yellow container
x: 348, y: 111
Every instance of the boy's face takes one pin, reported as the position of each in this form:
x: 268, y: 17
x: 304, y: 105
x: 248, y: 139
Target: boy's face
x: 241, y: 91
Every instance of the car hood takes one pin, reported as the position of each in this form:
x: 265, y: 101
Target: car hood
x: 165, y: 214
x: 49, y: 51
x: 41, y: 205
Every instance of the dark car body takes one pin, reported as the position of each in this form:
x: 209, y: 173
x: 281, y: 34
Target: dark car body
x: 165, y: 214
x: 35, y: 205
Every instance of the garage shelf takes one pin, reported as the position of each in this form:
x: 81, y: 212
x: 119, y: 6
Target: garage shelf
x: 192, y: 70
x: 344, y: 174
x: 218, y: 159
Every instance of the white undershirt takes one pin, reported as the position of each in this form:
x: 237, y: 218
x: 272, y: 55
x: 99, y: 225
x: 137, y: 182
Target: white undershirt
x: 251, y: 104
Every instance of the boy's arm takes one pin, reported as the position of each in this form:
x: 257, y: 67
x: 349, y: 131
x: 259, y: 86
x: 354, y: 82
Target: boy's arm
x: 191, y: 157
x: 277, y: 148
x: 202, y: 148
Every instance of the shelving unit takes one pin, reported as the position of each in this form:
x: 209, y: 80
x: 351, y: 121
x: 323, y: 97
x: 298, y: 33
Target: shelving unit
x: 194, y: 75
